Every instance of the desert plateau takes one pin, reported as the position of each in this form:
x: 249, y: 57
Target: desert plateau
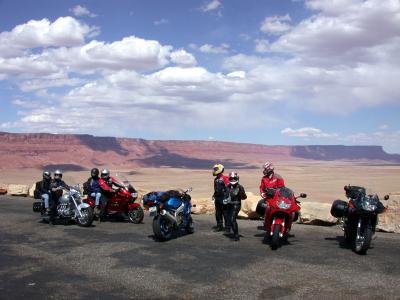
x: 319, y: 171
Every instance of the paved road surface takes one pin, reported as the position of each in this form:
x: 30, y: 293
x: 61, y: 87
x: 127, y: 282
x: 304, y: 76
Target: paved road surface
x: 116, y: 260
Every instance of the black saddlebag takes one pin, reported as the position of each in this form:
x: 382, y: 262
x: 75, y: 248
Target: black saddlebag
x: 339, y: 208
x: 37, y: 206
x: 260, y: 209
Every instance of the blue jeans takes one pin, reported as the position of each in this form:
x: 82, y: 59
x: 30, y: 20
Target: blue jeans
x: 97, y: 196
x: 45, y: 198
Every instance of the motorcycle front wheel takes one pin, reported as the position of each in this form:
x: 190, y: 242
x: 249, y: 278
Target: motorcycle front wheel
x: 161, y: 228
x: 86, y: 219
x: 362, y: 243
x: 189, y: 227
x: 275, y: 240
x: 136, y: 215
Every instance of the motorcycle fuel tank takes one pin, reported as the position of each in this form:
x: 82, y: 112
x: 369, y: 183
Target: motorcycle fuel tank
x: 174, y: 203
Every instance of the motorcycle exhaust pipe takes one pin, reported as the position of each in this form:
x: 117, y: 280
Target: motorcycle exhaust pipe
x: 167, y: 215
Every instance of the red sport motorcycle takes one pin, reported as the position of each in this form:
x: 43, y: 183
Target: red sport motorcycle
x: 122, y: 203
x: 281, y: 210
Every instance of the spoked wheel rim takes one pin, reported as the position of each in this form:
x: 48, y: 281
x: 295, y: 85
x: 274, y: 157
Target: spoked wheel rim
x: 84, y: 218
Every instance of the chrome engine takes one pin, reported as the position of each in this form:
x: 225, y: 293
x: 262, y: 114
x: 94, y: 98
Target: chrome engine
x: 63, y: 207
x: 179, y: 214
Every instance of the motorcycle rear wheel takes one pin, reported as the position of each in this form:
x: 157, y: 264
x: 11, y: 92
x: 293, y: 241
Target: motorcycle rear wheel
x: 87, y: 217
x: 136, y: 215
x: 275, y: 240
x: 361, y: 247
x: 162, y: 230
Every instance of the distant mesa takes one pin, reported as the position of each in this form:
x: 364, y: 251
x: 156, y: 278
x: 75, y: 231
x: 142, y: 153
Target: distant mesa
x: 82, y: 152
x: 64, y: 167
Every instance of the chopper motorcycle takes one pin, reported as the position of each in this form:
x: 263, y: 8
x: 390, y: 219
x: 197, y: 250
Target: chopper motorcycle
x: 70, y: 207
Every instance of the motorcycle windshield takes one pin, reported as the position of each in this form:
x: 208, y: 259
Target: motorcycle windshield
x: 368, y: 202
x: 122, y: 179
x: 286, y: 193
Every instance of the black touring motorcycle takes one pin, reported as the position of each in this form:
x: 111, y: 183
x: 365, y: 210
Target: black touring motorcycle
x: 359, y: 215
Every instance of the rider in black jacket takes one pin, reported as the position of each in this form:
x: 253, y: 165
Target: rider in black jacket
x: 92, y: 188
x: 42, y: 190
x: 238, y: 194
x: 57, y: 186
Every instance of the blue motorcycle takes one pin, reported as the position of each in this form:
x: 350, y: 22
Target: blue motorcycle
x: 171, y: 211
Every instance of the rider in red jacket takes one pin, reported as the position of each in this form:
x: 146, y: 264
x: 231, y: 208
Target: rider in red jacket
x: 270, y: 180
x: 106, y: 186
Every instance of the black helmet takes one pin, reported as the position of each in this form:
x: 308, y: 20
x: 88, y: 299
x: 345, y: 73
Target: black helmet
x: 46, y: 175
x: 105, y: 173
x: 94, y: 173
x: 57, y: 174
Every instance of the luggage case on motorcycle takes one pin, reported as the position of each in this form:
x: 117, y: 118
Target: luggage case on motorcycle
x: 37, y: 206
x: 260, y: 209
x: 339, y: 208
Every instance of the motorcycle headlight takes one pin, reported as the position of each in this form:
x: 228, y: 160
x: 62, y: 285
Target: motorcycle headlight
x: 134, y: 195
x: 366, y: 205
x: 283, y: 205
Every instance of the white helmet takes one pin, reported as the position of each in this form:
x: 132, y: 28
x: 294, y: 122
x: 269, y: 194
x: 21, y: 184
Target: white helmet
x: 57, y: 173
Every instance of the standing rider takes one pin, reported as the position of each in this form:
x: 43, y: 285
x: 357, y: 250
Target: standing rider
x: 42, y: 190
x: 220, y: 194
x: 92, y: 188
x: 238, y: 194
x: 57, y: 186
x: 106, y: 185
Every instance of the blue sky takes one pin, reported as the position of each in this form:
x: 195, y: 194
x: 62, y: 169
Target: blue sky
x: 267, y: 72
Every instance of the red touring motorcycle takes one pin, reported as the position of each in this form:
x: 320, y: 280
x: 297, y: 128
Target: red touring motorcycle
x: 122, y: 203
x: 281, y: 210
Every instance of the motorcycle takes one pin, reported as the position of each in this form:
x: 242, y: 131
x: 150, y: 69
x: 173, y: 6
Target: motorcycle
x: 281, y: 210
x: 359, y: 216
x: 171, y: 211
x: 70, y: 207
x: 122, y: 202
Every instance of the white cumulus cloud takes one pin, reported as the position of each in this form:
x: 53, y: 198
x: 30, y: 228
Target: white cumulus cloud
x: 181, y: 57
x: 221, y: 49
x: 212, y: 5
x: 80, y: 11
x: 65, y: 31
x: 276, y: 24
x: 307, y: 132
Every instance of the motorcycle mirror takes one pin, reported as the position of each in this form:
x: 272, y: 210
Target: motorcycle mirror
x: 386, y: 197
x: 189, y: 189
x: 303, y: 195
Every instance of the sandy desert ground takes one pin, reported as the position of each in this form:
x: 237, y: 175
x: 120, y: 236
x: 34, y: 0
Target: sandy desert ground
x: 322, y: 181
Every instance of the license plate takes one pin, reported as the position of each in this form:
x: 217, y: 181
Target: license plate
x: 153, y: 211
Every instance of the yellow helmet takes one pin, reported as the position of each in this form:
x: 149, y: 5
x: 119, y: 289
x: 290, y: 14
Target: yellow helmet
x: 218, y: 169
